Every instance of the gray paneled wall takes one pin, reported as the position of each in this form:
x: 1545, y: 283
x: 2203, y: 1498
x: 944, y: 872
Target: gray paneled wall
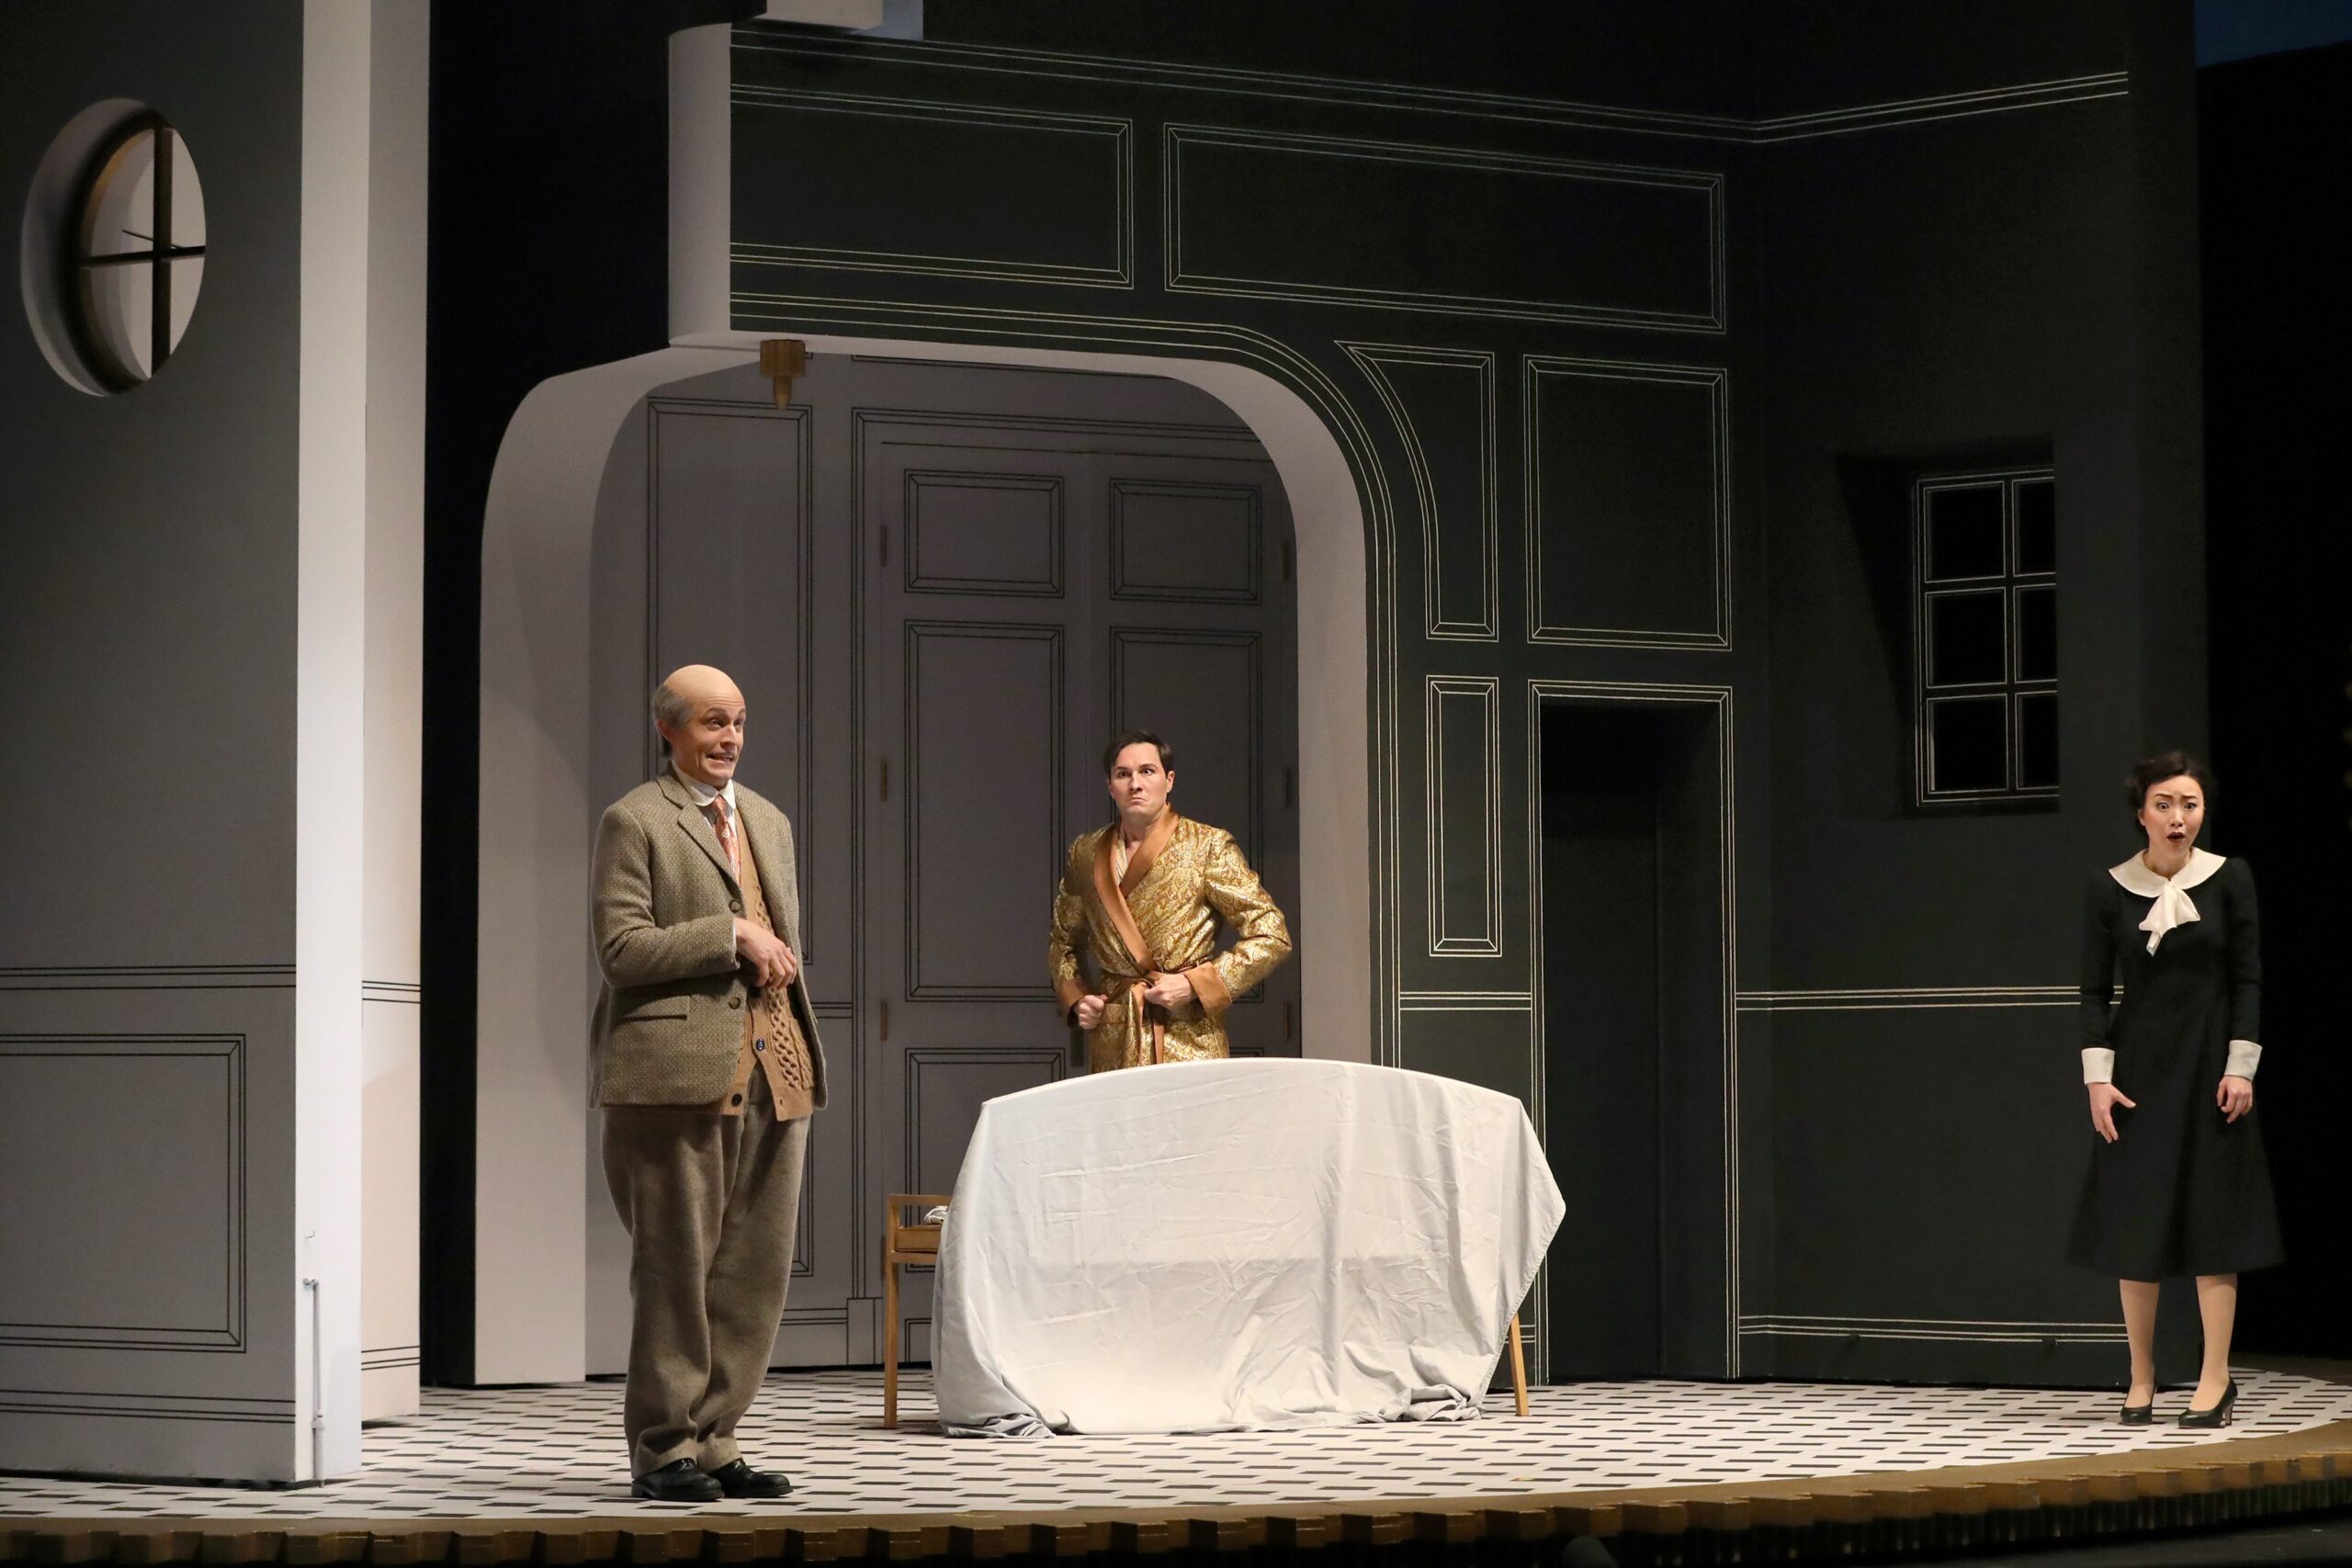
x: 1449, y: 393
x: 1621, y: 351
x: 181, y: 615
x: 147, y: 966
x: 942, y: 588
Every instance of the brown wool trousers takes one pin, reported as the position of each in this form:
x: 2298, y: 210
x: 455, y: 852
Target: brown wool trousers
x: 711, y: 1203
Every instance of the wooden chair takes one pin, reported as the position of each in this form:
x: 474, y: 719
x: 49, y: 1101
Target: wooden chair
x: 1518, y: 1367
x: 901, y: 1243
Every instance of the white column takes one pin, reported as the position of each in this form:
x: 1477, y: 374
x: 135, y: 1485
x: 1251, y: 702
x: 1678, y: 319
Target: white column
x: 330, y: 737
x: 397, y: 124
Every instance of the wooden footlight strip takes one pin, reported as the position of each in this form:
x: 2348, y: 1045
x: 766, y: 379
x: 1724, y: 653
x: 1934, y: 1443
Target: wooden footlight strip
x: 1819, y: 1519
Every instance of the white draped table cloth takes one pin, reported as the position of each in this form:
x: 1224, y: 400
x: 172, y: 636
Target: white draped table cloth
x: 1213, y: 1246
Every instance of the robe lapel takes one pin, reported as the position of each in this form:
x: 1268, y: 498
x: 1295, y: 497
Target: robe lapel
x: 1114, y: 893
x: 1148, y: 853
x: 1115, y: 901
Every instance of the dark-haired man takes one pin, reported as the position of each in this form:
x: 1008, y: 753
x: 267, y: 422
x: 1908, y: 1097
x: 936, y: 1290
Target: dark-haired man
x: 1142, y: 898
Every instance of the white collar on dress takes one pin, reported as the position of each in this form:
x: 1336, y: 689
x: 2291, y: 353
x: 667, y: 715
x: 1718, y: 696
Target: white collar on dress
x: 2171, y: 905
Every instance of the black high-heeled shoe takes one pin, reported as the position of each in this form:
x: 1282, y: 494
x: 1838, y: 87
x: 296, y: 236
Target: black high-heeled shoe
x: 2217, y: 1416
x: 2138, y: 1414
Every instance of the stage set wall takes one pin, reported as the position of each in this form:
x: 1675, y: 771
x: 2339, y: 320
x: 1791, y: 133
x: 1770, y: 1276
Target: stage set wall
x: 207, y: 609
x: 1784, y: 244
x: 2018, y: 285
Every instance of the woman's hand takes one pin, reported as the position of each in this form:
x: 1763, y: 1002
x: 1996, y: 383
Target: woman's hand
x: 1089, y: 1012
x: 2105, y: 1098
x: 2235, y: 1097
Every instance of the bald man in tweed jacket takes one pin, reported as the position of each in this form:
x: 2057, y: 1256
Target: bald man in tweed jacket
x: 708, y: 1067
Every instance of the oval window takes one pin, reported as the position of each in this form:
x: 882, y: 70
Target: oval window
x: 114, y: 246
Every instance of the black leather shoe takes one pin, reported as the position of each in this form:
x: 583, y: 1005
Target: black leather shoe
x: 680, y: 1481
x: 740, y: 1480
x: 2138, y: 1414
x: 2217, y: 1416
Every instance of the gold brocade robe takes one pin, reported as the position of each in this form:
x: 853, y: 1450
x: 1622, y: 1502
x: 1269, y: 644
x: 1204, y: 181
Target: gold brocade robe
x: 1161, y: 917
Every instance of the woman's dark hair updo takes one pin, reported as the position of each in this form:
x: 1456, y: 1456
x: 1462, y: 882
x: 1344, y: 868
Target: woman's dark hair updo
x: 2149, y: 771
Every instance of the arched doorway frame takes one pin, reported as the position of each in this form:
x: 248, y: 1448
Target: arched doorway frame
x: 536, y: 820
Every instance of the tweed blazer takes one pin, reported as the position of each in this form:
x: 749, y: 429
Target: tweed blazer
x: 669, y: 1022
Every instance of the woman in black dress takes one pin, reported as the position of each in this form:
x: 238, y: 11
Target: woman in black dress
x: 2178, y: 1182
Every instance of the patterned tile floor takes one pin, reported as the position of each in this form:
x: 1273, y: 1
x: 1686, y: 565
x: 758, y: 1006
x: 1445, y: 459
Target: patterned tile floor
x: 554, y: 1453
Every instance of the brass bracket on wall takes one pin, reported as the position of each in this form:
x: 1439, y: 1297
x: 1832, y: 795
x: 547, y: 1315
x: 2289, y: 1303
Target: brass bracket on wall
x: 781, y: 359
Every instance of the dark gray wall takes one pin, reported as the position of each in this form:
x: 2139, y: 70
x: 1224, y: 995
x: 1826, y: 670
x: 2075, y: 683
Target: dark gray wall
x: 147, y: 626
x: 2007, y: 285
x: 1759, y: 240
x: 1685, y: 344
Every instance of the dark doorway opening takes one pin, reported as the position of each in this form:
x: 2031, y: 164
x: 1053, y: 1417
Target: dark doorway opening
x: 1637, y: 1095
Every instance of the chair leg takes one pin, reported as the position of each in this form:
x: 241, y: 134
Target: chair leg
x: 1517, y: 1366
x: 890, y: 1343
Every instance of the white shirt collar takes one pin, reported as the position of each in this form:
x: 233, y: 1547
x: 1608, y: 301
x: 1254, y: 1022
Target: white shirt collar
x: 2170, y: 905
x: 704, y: 794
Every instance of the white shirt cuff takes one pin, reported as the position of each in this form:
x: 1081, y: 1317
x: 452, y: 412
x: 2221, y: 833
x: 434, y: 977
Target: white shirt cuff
x: 2098, y: 1063
x: 2245, y: 1056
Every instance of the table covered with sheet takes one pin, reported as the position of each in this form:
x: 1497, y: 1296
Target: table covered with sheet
x: 1218, y: 1245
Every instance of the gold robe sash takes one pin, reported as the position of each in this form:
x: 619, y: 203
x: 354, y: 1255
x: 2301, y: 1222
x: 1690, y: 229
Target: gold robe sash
x: 1114, y: 895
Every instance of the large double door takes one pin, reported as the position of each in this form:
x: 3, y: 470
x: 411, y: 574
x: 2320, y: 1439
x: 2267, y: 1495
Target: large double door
x: 993, y: 570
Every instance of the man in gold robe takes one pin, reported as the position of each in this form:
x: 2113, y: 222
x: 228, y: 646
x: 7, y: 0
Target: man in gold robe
x: 1142, y: 898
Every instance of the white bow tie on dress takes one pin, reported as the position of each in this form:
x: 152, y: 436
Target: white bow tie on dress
x: 2171, y: 905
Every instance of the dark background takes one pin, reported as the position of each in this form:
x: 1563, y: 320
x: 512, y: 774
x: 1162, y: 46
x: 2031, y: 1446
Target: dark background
x: 2277, y: 327
x: 548, y: 183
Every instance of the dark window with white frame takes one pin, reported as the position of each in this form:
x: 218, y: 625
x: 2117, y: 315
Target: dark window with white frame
x: 1984, y: 620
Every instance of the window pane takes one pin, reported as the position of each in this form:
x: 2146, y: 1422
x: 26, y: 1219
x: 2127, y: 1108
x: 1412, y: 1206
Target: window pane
x: 1967, y: 638
x: 121, y: 214
x: 2038, y: 742
x: 1964, y: 532
x: 2037, y: 634
x: 120, y: 221
x: 2037, y: 503
x: 188, y: 279
x: 1968, y: 744
x: 187, y: 197
x: 121, y: 301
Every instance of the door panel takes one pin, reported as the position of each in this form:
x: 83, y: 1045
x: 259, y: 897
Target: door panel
x: 1187, y: 543
x: 984, y: 811
x: 729, y: 563
x: 983, y: 532
x: 1201, y: 646
x: 1209, y: 680
x: 941, y: 588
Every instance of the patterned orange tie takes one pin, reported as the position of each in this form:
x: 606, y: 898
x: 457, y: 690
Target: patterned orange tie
x: 725, y: 825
